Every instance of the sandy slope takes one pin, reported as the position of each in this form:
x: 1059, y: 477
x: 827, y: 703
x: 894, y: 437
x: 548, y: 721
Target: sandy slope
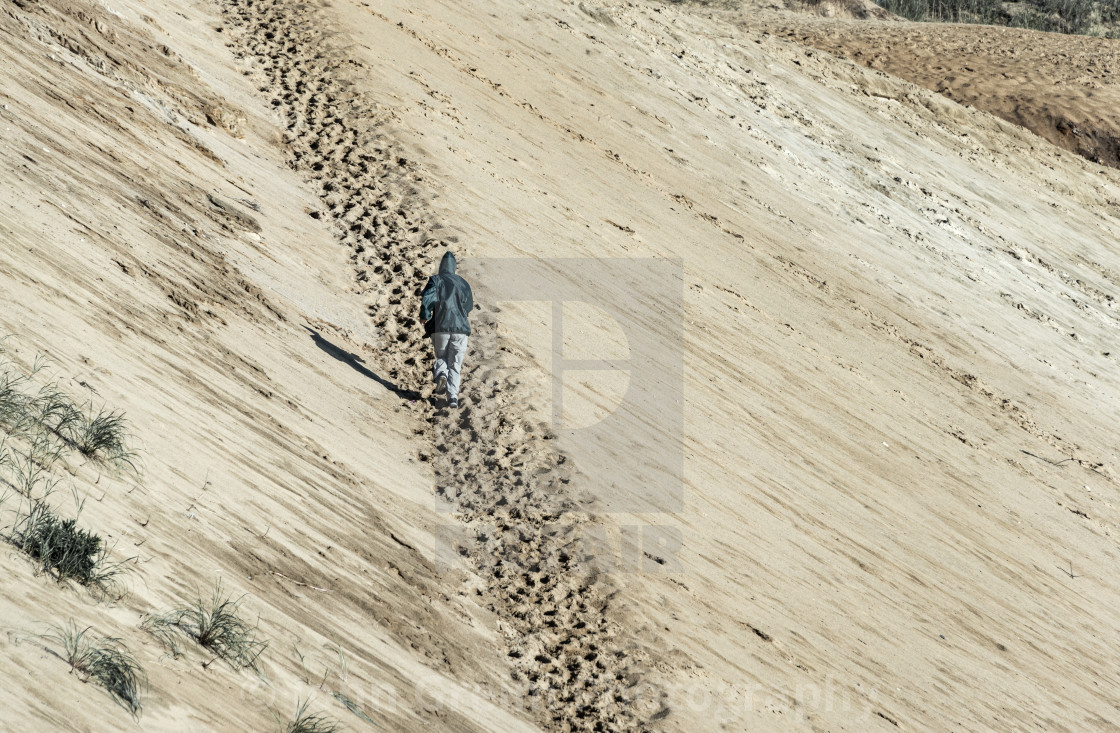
x: 897, y: 281
x: 898, y: 325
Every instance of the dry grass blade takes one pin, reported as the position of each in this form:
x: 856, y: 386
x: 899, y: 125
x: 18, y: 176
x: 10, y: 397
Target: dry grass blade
x: 29, y: 474
x: 353, y: 707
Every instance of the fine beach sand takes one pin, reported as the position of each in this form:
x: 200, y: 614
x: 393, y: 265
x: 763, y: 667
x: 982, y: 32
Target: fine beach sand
x: 897, y: 373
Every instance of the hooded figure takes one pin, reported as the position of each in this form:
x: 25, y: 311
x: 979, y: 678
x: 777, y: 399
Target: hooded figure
x: 445, y: 305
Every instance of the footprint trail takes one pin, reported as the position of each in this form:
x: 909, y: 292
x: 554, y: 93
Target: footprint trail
x: 517, y: 507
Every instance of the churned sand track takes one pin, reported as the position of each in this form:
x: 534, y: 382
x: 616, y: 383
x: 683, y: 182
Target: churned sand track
x: 575, y: 657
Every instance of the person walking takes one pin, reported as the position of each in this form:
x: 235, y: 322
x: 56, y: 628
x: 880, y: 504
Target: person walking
x: 445, y: 305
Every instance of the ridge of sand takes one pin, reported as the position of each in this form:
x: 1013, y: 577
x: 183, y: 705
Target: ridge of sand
x: 1062, y: 88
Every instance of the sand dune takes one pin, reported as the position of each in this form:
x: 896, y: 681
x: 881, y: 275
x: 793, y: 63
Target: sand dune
x: 1062, y: 88
x: 897, y: 395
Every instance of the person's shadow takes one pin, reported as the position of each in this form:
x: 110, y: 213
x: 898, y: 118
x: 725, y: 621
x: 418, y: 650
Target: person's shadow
x: 355, y: 362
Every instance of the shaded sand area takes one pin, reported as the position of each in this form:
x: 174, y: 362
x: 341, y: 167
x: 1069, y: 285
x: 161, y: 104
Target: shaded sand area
x: 1062, y: 88
x: 898, y: 378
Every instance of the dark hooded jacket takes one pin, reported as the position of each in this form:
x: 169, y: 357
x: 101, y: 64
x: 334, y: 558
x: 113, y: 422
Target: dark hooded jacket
x: 446, y: 301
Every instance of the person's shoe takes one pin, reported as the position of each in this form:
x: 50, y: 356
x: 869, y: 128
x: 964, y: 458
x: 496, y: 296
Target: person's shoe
x: 441, y: 384
x: 453, y: 404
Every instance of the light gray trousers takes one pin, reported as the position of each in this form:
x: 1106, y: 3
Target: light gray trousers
x: 450, y: 350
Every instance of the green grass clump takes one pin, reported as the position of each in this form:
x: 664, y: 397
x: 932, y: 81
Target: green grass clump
x: 58, y: 544
x: 105, y: 662
x: 307, y: 722
x: 215, y: 626
x: 13, y: 403
x: 55, y: 412
x: 104, y: 436
x: 62, y: 548
x: 52, y: 423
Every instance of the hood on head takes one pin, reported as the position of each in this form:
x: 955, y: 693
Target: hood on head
x: 447, y: 264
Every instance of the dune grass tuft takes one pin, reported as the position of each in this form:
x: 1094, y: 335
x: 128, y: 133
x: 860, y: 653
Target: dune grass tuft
x: 104, y: 661
x: 307, y: 722
x: 64, y: 549
x: 1091, y: 17
x: 58, y: 544
x: 52, y: 423
x: 104, y: 436
x: 55, y: 412
x: 13, y: 403
x: 215, y: 626
x: 39, y: 425
x: 28, y: 474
